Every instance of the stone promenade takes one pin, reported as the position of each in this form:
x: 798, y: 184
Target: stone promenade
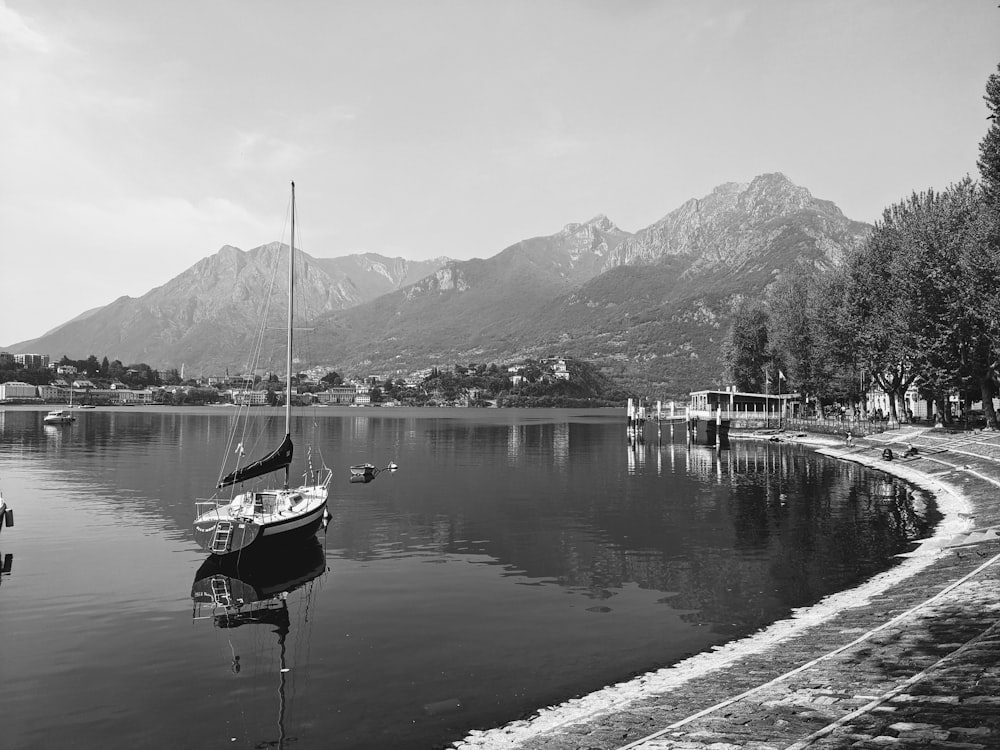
x: 912, y: 663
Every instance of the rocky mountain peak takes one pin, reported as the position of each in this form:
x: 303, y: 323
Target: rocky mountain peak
x: 735, y: 222
x: 600, y: 223
x: 774, y: 193
x: 603, y: 223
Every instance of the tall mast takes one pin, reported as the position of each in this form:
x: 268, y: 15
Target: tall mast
x: 291, y: 299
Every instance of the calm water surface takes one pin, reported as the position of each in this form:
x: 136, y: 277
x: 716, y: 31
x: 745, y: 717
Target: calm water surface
x: 518, y: 558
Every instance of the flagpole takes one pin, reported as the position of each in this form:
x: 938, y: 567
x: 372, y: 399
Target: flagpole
x: 781, y: 410
x: 767, y: 397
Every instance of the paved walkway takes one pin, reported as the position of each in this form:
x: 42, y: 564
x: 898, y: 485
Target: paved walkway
x: 915, y: 666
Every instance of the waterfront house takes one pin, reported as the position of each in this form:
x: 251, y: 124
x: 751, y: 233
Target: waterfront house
x: 742, y: 406
x: 341, y: 395
x: 248, y: 398
x: 56, y: 391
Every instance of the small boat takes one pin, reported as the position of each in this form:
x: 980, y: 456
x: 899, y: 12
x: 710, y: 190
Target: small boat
x: 363, y: 473
x: 227, y: 526
x: 86, y: 406
x: 366, y: 472
x: 59, y: 416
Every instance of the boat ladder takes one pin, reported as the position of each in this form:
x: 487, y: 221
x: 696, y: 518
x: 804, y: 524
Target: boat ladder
x: 223, y: 538
x: 220, y: 591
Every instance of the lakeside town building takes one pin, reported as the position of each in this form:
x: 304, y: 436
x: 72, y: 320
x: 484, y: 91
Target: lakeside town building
x: 16, y: 391
x: 32, y: 361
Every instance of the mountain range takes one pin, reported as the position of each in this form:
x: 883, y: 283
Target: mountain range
x: 650, y: 308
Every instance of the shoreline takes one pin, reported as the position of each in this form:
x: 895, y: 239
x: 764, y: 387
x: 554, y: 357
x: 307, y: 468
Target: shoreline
x: 594, y: 708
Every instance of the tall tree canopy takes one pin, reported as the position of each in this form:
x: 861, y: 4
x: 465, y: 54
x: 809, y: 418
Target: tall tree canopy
x: 917, y: 293
x: 746, y: 351
x: 989, y: 147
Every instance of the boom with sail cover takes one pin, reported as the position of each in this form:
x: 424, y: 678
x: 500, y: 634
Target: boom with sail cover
x: 280, y: 458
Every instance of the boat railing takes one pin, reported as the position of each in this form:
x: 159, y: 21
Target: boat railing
x: 204, y: 506
x: 319, y: 477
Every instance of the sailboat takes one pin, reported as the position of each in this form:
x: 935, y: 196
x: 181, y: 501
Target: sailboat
x: 251, y: 518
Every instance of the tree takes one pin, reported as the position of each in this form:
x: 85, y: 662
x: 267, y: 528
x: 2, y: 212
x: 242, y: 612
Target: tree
x: 989, y: 173
x: 332, y: 379
x: 116, y: 370
x: 957, y: 272
x: 836, y: 370
x: 989, y: 147
x: 917, y: 291
x: 141, y: 375
x: 790, y: 329
x: 873, y: 305
x: 746, y: 350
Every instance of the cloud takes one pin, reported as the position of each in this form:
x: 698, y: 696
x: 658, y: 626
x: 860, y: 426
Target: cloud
x: 262, y: 151
x: 14, y: 29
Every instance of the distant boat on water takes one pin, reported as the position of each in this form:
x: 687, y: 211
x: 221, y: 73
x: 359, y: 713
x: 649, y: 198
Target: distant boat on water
x: 59, y: 416
x: 62, y: 416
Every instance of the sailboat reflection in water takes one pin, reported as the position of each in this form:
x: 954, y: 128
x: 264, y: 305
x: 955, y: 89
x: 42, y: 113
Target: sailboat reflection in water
x: 255, y: 592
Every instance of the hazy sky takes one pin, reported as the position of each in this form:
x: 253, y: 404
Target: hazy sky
x: 138, y: 137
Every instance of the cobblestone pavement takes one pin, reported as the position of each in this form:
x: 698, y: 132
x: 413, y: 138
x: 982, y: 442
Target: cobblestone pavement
x: 917, y: 666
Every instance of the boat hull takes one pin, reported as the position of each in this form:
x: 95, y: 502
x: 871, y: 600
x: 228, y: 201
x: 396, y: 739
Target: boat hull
x: 245, y: 534
x: 58, y: 418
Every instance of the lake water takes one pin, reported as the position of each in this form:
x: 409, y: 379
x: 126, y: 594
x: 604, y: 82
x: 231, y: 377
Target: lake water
x: 516, y: 559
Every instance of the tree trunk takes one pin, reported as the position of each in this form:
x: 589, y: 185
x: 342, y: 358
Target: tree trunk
x: 988, y: 389
x: 941, y: 409
x: 901, y: 407
x: 893, y: 397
